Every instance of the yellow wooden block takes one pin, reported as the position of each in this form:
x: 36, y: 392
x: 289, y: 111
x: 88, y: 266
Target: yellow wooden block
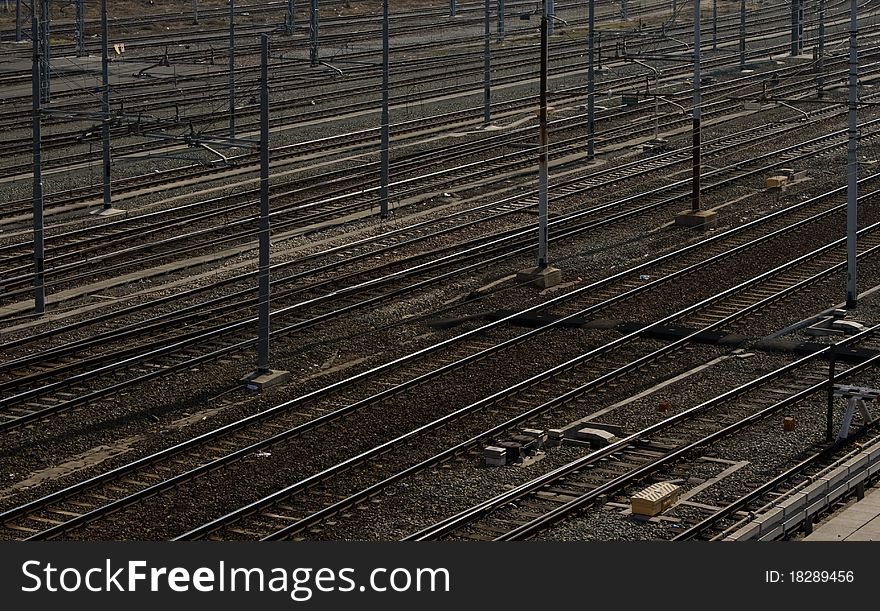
x: 776, y: 182
x: 655, y: 499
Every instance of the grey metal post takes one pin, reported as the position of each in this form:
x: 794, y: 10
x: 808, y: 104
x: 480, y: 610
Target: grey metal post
x: 820, y: 83
x: 550, y: 5
x: 17, y: 20
x: 195, y: 12
x: 800, y: 25
x: 39, y: 284
x: 452, y: 8
x: 263, y: 340
x: 105, y: 104
x: 543, y: 153
x: 695, y: 203
x: 656, y: 109
x: 46, y: 55
x: 714, y: 24
x: 313, y: 32
x: 796, y: 27
x: 288, y: 21
x: 80, y: 27
x: 384, y: 144
x: 742, y: 35
x: 624, y: 9
x: 501, y: 18
x: 829, y: 410
x: 674, y: 9
x: 487, y: 66
x: 232, y: 68
x: 591, y: 81
x: 852, y: 162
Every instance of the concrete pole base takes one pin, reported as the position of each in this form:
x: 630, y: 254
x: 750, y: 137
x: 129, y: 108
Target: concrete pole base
x: 541, y: 277
x: 701, y: 219
x: 259, y: 381
x: 107, y: 211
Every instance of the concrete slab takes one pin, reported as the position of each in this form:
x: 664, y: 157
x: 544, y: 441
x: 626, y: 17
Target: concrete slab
x: 864, y: 536
x: 858, y: 522
x: 803, y: 56
x: 861, y: 514
x: 846, y: 522
x: 259, y: 381
x: 596, y: 437
x: 541, y: 277
x: 107, y: 212
x: 700, y: 219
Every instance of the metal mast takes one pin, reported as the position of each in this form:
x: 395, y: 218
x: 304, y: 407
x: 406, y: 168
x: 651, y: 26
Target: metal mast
x: 695, y: 200
x: 487, y: 66
x: 263, y: 341
x: 80, y: 27
x: 543, y: 144
x: 232, y: 68
x: 852, y: 162
x: 105, y: 104
x: 591, y: 81
x: 39, y: 286
x: 313, y: 32
x: 384, y: 143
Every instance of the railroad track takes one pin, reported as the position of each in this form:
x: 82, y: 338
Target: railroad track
x: 762, y: 500
x: 323, y: 110
x: 270, y: 518
x: 370, y: 300
x: 71, y: 250
x: 311, y: 307
x: 531, y: 508
x: 250, y: 427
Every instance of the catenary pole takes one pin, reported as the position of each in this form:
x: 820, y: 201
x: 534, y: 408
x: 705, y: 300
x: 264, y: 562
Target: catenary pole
x: 852, y: 161
x: 487, y: 64
x: 232, y: 68
x: 80, y: 27
x: 288, y: 20
x: 695, y: 199
x: 313, y: 32
x: 543, y: 171
x: 385, y: 139
x: 46, y: 54
x: 39, y: 280
x: 500, y: 18
x: 820, y: 64
x: 105, y: 105
x: 591, y: 81
x: 742, y: 35
x: 263, y: 338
